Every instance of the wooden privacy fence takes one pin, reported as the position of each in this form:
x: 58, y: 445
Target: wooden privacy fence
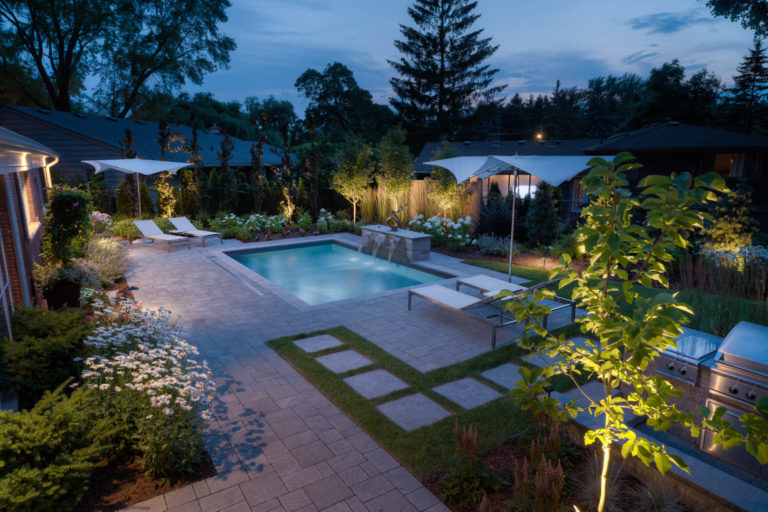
x: 377, y: 204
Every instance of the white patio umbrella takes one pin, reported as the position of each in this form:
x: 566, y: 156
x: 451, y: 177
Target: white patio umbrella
x: 137, y: 166
x: 551, y: 169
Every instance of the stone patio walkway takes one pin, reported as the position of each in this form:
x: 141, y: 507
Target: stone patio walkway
x: 277, y: 442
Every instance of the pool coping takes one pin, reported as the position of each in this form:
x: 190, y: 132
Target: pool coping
x: 257, y: 282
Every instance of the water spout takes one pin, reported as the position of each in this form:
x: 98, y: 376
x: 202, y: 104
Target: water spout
x: 393, y: 241
x: 366, y: 237
x: 377, y: 241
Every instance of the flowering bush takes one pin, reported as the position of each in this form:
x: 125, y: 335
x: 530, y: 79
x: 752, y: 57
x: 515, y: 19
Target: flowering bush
x: 738, y: 259
x: 149, y: 385
x: 101, y: 222
x: 69, y: 217
x: 277, y: 224
x: 324, y: 215
x: 456, y: 234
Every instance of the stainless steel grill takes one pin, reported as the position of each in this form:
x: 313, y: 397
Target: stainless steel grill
x: 738, y: 380
x: 683, y: 362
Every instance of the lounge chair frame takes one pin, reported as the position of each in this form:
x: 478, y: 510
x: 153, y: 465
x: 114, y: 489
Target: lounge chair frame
x: 193, y: 233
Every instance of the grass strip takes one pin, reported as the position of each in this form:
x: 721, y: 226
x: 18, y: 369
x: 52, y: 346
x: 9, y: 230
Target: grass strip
x: 430, y: 449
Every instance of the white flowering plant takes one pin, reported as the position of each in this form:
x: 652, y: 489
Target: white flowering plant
x: 738, y: 259
x: 324, y: 216
x: 147, y: 381
x: 455, y: 234
x: 100, y: 222
x: 277, y: 224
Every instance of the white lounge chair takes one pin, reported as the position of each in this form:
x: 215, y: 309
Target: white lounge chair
x: 487, y: 284
x: 185, y: 228
x: 477, y: 307
x: 149, y: 230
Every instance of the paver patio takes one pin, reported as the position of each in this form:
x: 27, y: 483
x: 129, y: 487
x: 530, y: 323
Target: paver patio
x: 341, y: 362
x: 413, y: 411
x: 275, y: 440
x: 505, y: 375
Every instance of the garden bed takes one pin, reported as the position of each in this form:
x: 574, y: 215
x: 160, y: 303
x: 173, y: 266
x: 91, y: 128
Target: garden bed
x: 121, y: 483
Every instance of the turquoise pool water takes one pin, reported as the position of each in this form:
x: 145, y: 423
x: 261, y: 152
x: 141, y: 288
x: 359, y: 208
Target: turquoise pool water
x: 327, y: 272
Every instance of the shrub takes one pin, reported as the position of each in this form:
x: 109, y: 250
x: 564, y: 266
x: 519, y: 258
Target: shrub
x: 322, y: 226
x: 47, y: 454
x: 655, y: 497
x: 444, y: 230
x: 492, y: 245
x: 126, y: 197
x: 567, y: 244
x: 732, y: 226
x: 107, y: 256
x: 43, y: 353
x: 470, y: 477
x: 149, y: 386
x: 305, y: 221
x: 124, y: 228
x: 337, y: 225
x: 276, y: 224
x: 324, y: 216
x: 101, y: 222
x: 46, y: 276
x: 69, y: 217
x: 147, y: 208
x: 166, y: 195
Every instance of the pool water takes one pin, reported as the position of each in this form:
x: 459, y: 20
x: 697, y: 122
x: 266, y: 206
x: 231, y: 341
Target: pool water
x: 327, y: 272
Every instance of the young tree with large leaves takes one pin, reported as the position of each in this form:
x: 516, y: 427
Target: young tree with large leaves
x: 443, y: 69
x: 125, y: 44
x: 353, y: 176
x: 626, y: 329
x: 395, y: 166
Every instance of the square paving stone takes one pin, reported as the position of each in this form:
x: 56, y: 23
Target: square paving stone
x: 317, y: 343
x: 467, y: 392
x: 413, y: 411
x: 505, y: 375
x: 375, y: 383
x: 341, y: 362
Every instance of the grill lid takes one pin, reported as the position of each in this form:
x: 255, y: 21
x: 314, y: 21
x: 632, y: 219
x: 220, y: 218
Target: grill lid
x: 746, y: 346
x: 695, y: 345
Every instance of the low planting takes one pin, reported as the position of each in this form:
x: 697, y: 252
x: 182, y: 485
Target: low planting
x: 444, y: 231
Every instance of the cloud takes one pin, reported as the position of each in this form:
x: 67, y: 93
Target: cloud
x: 669, y: 22
x: 638, y: 56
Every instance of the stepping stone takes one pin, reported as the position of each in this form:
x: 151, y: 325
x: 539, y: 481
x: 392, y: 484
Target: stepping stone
x: 467, y: 392
x: 341, y: 362
x: 541, y: 360
x: 317, y: 343
x: 413, y: 411
x: 375, y: 383
x: 505, y: 375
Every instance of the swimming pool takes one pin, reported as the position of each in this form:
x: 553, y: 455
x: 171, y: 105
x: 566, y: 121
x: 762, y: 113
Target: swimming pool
x: 325, y: 272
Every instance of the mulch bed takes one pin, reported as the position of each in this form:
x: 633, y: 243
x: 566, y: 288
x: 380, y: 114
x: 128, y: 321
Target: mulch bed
x: 121, y: 483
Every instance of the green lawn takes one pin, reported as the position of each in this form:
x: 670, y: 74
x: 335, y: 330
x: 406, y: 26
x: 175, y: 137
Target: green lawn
x: 427, y: 450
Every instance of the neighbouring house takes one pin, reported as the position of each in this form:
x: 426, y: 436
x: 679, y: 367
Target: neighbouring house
x: 77, y: 137
x: 24, y: 177
x: 662, y: 148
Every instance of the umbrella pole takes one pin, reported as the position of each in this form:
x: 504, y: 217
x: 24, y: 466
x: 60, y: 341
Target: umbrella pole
x: 512, y: 228
x: 138, y: 193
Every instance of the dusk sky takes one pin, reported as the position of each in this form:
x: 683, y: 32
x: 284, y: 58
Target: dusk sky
x: 539, y: 42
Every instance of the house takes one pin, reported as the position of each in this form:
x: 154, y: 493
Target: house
x: 662, y: 148
x: 77, y: 137
x: 24, y: 177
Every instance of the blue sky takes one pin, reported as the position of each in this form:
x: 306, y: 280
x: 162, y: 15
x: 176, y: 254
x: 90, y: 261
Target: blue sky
x: 540, y: 42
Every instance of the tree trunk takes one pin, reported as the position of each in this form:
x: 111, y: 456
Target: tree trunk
x: 604, y: 473
x: 354, y: 212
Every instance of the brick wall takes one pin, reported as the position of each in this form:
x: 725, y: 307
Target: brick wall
x: 8, y: 244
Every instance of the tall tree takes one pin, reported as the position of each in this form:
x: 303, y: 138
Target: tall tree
x: 125, y: 44
x: 753, y: 14
x: 443, y: 69
x: 564, y: 117
x: 340, y: 106
x: 748, y: 101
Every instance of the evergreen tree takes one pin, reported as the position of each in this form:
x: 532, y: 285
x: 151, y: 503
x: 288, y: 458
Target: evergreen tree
x: 542, y: 219
x: 443, y: 69
x: 748, y: 103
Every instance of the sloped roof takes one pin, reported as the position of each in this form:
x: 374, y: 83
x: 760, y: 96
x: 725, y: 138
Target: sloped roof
x: 680, y: 137
x: 19, y: 153
x: 111, y: 130
x: 574, y: 147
